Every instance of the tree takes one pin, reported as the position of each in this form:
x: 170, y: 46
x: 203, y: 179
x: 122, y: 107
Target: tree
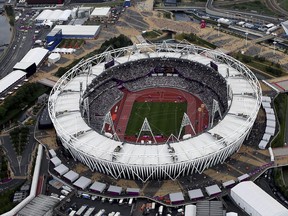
x: 2, y: 112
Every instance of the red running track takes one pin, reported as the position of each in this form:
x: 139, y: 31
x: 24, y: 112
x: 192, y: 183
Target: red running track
x: 196, y: 110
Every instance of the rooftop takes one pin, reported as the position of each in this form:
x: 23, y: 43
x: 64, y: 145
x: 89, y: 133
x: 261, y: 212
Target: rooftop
x: 40, y: 205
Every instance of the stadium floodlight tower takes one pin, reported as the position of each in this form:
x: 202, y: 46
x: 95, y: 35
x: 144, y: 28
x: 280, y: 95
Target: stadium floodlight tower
x: 123, y: 158
x: 185, y: 122
x: 215, y: 109
x: 146, y: 127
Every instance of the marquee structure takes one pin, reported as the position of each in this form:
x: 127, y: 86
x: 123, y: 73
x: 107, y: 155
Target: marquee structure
x: 160, y: 161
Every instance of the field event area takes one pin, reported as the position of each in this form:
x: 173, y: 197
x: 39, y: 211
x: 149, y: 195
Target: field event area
x: 164, y: 118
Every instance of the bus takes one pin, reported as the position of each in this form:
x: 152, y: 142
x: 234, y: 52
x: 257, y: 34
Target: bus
x: 81, y: 210
x: 72, y: 213
x: 89, y: 211
x: 100, y: 213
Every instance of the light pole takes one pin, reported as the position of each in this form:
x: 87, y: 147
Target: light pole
x: 246, y: 36
x: 218, y: 25
x: 274, y: 43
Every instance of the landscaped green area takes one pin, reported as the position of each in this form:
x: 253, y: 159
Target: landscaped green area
x: 10, y: 13
x: 19, y: 138
x: 6, y: 197
x: 164, y: 118
x: 115, y: 43
x: 253, y: 6
x: 192, y: 38
x: 280, y: 104
x: 167, y: 15
x: 261, y: 64
x: 71, y: 43
x: 152, y: 34
x: 24, y: 97
x: 3, y: 165
x: 284, y: 4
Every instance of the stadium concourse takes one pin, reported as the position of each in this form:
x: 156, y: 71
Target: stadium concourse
x: 80, y: 107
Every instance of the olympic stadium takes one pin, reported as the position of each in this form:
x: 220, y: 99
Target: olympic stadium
x: 193, y: 107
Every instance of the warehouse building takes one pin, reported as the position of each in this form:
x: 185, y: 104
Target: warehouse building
x: 71, y: 31
x: 255, y: 201
x: 53, y: 38
x: 28, y: 67
x: 100, y: 13
x: 40, y: 205
x: 46, y: 2
x: 10, y: 81
x: 35, y: 55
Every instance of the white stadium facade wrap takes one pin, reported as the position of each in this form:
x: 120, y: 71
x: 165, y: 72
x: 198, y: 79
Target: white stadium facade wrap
x: 144, y: 161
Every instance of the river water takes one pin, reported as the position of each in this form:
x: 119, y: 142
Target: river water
x: 5, y: 33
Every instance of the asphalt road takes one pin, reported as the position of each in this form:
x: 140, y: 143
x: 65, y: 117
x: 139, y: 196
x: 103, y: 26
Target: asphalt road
x: 11, y: 184
x: 21, y: 43
x: 19, y: 164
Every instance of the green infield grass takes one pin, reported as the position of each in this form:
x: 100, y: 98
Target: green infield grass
x: 164, y: 118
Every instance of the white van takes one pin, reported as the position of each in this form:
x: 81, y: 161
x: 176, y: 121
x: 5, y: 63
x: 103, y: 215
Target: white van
x: 160, y: 210
x: 130, y: 202
x: 121, y: 201
x: 66, y: 188
x: 64, y: 192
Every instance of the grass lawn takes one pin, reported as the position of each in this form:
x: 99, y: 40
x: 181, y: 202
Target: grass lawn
x: 164, y: 118
x: 280, y: 103
x: 250, y: 6
x: 284, y: 4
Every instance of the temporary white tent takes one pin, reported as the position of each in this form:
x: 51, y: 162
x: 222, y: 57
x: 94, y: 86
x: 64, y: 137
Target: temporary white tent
x: 255, y: 201
x: 269, y: 111
x: 71, y: 176
x: 114, y: 190
x: 195, y: 194
x: 56, y: 161
x: 98, y: 187
x: 52, y: 153
x: 271, y: 123
x: 266, y: 104
x: 266, y: 137
x: 176, y: 197
x: 65, y: 15
x: 228, y: 183
x: 266, y: 99
x: 285, y: 26
x: 270, y: 130
x: 133, y: 191
x: 262, y: 144
x: 61, y: 169
x: 270, y: 117
x: 243, y: 177
x: 82, y: 182
x: 54, y: 57
x: 213, y: 190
